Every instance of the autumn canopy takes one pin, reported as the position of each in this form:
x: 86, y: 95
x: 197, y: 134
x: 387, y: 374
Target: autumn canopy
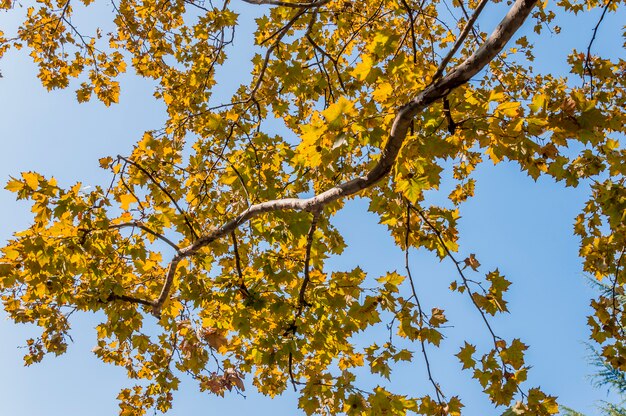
x: 206, y: 251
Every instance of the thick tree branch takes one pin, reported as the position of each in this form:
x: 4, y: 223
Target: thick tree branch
x: 458, y: 76
x: 169, y: 280
x: 130, y: 299
x: 291, y: 377
x: 459, y: 41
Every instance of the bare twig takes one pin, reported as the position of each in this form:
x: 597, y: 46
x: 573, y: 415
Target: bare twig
x: 148, y: 230
x: 307, y: 260
x: 242, y: 284
x: 438, y: 391
x: 457, y: 264
x: 588, y: 64
x: 164, y: 190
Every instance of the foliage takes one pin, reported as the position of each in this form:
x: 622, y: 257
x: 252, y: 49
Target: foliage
x: 606, y: 375
x: 216, y: 228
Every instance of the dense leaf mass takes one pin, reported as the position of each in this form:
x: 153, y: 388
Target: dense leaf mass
x: 215, y: 230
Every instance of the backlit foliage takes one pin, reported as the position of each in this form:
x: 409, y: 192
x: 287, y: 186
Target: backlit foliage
x: 215, y: 230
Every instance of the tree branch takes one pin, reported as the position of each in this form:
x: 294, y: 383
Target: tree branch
x: 130, y: 299
x: 438, y: 391
x: 307, y: 260
x: 148, y: 230
x: 588, y: 64
x: 458, y: 76
x: 164, y: 190
x: 242, y: 284
x: 460, y: 271
x: 459, y: 41
x: 279, y: 36
x: 303, y: 5
x: 165, y: 291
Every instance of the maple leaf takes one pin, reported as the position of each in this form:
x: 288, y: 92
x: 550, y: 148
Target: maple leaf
x: 472, y: 262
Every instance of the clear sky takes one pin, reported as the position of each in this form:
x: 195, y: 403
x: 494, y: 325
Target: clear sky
x: 522, y: 227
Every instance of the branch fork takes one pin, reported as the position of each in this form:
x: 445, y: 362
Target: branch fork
x: 438, y: 88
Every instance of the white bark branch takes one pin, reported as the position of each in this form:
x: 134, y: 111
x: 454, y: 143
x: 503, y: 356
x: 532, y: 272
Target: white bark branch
x: 458, y: 76
x: 459, y: 41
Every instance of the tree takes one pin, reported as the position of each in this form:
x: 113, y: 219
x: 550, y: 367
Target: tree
x: 606, y: 375
x: 216, y: 228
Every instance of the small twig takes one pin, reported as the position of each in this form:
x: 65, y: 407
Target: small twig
x: 62, y: 16
x: 470, y: 293
x: 438, y: 391
x: 279, y: 36
x: 291, y: 377
x: 412, y: 30
x: 324, y: 53
x: 446, y: 111
x: 460, y: 271
x: 242, y: 284
x: 164, y: 190
x: 588, y: 64
x: 219, y: 156
x: 148, y: 230
x: 127, y: 187
x: 302, y: 302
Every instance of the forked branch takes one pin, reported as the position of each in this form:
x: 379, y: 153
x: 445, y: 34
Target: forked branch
x: 515, y: 17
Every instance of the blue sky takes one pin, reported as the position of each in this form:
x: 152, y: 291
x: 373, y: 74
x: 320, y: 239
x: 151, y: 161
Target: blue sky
x: 522, y: 227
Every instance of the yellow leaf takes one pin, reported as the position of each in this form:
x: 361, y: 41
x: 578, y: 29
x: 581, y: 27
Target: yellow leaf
x: 14, y: 185
x: 539, y: 102
x: 382, y: 91
x: 339, y: 108
x: 126, y: 200
x: 32, y: 180
x: 362, y: 70
x: 507, y: 109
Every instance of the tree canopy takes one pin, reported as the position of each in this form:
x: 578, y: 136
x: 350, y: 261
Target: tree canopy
x: 206, y: 251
